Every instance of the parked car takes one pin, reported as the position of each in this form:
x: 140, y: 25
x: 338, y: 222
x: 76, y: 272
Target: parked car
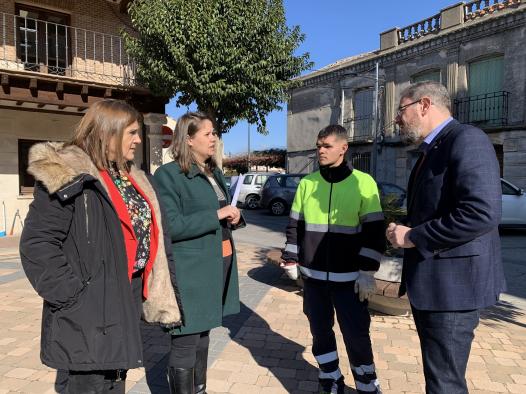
x: 228, y: 181
x: 513, y: 205
x: 249, y: 194
x: 278, y: 192
x: 386, y: 189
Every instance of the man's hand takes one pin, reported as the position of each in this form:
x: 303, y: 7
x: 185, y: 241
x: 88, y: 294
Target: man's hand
x: 398, y: 236
x: 365, y: 285
x: 291, y: 268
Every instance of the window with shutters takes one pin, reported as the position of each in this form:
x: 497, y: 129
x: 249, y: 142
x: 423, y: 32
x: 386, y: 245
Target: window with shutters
x: 42, y: 43
x: 487, y: 101
x: 485, y: 80
x: 360, y: 125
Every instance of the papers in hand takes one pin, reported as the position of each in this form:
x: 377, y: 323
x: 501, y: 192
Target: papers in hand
x: 235, y: 197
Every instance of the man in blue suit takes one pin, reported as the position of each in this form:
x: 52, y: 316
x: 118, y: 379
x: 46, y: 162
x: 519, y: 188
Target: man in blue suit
x: 452, y: 259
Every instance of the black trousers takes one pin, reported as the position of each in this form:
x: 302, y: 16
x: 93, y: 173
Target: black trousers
x: 106, y: 381
x: 184, y: 349
x: 96, y: 382
x: 445, y: 341
x: 320, y: 300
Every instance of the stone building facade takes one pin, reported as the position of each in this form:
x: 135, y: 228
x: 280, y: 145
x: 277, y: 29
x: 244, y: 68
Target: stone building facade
x: 57, y: 57
x: 476, y: 49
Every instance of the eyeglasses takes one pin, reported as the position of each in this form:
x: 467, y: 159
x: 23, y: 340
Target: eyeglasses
x: 403, y: 107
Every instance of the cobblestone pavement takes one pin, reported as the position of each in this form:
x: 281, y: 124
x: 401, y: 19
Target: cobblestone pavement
x: 267, y: 347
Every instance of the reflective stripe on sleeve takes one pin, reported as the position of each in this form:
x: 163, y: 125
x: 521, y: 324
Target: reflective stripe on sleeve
x: 296, y: 215
x: 371, y: 253
x: 371, y: 217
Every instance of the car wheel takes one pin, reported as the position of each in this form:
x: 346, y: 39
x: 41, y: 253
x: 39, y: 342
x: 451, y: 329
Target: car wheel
x: 252, y: 202
x: 277, y: 208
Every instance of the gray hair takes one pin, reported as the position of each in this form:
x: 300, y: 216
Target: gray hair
x: 434, y: 90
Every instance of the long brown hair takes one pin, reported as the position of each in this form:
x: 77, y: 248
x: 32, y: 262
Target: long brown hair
x: 103, y: 120
x: 186, y: 126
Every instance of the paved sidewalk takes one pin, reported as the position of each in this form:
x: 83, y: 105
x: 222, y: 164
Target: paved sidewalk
x: 266, y: 348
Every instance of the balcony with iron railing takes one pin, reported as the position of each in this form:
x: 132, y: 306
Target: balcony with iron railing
x: 359, y: 128
x: 37, y: 46
x: 483, y: 110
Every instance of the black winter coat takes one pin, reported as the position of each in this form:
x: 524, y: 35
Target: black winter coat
x: 72, y: 250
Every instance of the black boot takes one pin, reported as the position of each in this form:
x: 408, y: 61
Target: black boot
x: 181, y: 380
x: 200, y: 371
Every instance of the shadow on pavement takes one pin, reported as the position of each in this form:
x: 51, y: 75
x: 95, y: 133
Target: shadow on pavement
x: 281, y: 355
x: 277, y: 278
x: 263, y: 218
x: 503, y: 312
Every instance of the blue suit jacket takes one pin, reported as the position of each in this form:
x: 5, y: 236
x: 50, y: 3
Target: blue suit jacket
x: 454, y: 209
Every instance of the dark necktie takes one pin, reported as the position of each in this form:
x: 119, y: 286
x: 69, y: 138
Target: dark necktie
x: 418, y: 165
x: 423, y: 151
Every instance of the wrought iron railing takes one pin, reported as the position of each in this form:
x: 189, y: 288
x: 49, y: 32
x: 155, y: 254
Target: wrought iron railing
x: 50, y: 48
x: 490, y: 109
x: 361, y: 161
x: 359, y: 129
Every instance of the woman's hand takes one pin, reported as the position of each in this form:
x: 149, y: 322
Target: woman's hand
x: 230, y: 213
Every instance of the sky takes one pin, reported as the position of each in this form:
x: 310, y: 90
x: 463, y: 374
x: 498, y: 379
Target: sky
x: 334, y: 29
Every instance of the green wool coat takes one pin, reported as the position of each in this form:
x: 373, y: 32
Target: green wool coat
x: 191, y: 206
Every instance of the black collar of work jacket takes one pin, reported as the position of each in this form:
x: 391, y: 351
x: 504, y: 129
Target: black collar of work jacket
x: 336, y: 174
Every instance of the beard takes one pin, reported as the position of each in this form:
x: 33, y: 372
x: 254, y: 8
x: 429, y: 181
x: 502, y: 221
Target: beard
x: 411, y: 134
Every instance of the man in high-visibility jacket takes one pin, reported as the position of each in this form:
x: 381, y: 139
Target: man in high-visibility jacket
x: 336, y: 238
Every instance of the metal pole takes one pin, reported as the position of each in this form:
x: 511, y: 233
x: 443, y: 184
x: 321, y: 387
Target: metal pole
x: 342, y: 106
x: 375, y: 123
x: 4, y: 232
x: 248, y: 153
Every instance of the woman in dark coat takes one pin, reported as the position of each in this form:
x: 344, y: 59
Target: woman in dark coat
x: 93, y: 247
x: 200, y: 217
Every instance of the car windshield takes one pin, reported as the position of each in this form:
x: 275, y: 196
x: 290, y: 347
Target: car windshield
x: 508, y: 188
x: 260, y: 179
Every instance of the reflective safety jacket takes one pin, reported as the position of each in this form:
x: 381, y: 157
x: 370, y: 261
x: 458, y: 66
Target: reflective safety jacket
x: 336, y: 225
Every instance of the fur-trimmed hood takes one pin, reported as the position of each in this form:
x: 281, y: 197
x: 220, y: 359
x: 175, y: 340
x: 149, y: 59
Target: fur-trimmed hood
x: 58, y: 166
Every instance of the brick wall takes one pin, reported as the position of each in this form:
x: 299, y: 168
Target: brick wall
x: 98, y: 15
x: 96, y: 50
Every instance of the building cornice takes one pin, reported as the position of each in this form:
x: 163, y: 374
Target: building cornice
x: 449, y: 40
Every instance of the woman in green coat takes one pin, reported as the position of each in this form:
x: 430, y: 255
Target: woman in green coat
x: 197, y: 203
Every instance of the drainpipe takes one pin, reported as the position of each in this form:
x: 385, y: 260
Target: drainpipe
x: 375, y: 122
x: 342, y: 106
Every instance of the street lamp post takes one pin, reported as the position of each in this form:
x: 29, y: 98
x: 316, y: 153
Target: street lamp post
x: 248, y: 152
x: 375, y: 123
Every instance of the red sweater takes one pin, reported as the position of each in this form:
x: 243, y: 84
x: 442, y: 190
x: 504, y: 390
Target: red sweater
x: 130, y: 240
